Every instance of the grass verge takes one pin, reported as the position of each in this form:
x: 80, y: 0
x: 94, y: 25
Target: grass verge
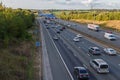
x: 109, y: 25
x: 17, y: 61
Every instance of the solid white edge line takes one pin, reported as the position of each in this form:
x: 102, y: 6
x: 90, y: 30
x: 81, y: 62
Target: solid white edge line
x: 61, y: 57
x: 85, y: 66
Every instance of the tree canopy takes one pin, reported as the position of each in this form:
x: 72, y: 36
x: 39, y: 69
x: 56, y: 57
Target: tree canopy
x: 90, y: 15
x: 14, y: 24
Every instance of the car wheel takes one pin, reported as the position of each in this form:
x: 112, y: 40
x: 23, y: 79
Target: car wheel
x: 77, y: 77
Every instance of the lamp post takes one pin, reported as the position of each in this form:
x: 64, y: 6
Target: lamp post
x: 92, y: 8
x: 117, y: 13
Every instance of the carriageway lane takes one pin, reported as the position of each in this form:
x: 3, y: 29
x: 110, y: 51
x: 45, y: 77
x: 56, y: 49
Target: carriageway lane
x: 99, y: 35
x: 70, y: 59
x: 58, y: 69
x: 84, y: 44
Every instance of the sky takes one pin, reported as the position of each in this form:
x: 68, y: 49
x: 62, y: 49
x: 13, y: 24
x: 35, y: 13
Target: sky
x: 62, y: 4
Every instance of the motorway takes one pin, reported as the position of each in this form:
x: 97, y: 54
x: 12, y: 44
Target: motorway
x: 99, y: 35
x: 57, y: 67
x: 75, y: 54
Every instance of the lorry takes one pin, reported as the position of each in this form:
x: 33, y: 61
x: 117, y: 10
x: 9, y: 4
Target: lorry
x: 93, y: 27
x: 109, y: 36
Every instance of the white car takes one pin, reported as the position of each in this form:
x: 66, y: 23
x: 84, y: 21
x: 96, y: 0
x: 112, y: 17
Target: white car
x: 76, y: 39
x: 79, y: 35
x: 68, y: 25
x: 110, y: 51
x: 55, y: 37
x: 109, y: 36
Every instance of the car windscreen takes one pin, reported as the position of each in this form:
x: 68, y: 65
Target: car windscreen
x: 83, y: 71
x: 97, y: 50
x: 97, y: 28
x: 104, y: 66
x: 112, y: 50
x: 111, y: 36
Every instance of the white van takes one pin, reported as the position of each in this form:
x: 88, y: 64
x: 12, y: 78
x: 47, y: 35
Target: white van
x: 99, y: 65
x: 109, y: 36
x: 93, y: 27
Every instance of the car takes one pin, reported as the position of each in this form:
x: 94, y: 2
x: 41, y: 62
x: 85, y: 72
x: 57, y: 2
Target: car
x: 56, y: 26
x: 99, y: 65
x: 53, y: 26
x: 63, y: 28
x: 79, y: 35
x: 68, y: 25
x: 81, y: 73
x: 47, y: 27
x: 46, y: 24
x: 76, y: 39
x: 94, y: 50
x: 110, y: 51
x: 58, y: 31
x: 55, y: 37
x: 110, y: 36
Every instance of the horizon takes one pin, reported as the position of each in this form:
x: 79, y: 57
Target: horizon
x: 63, y: 4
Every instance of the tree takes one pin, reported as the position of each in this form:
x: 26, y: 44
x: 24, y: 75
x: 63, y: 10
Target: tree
x: 14, y: 24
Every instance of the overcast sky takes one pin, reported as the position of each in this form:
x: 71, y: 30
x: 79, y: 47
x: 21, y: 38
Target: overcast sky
x: 62, y: 4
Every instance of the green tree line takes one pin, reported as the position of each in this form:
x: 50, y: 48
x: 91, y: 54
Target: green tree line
x: 90, y: 15
x: 14, y: 25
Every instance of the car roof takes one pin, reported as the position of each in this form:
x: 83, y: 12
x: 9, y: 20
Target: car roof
x: 95, y: 47
x: 78, y: 34
x: 80, y: 68
x: 101, y: 61
x: 76, y: 38
x: 109, y: 49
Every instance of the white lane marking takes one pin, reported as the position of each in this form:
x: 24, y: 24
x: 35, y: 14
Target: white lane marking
x: 61, y: 57
x: 85, y: 66
x: 75, y: 55
x: 88, y: 54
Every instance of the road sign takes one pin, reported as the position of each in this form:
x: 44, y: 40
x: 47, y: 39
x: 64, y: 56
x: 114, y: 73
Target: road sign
x: 37, y: 44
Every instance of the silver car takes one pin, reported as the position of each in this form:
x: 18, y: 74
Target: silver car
x: 79, y: 35
x: 55, y: 37
x: 110, y: 51
x: 76, y: 39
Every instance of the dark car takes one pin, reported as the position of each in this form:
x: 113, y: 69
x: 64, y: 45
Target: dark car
x: 58, y: 31
x: 47, y: 27
x: 81, y: 73
x: 63, y: 28
x: 94, y: 50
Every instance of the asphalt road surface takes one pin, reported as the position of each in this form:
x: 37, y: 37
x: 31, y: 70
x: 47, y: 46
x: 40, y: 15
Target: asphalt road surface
x: 99, y: 35
x: 76, y: 54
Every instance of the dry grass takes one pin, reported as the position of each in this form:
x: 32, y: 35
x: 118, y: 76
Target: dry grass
x: 14, y: 62
x: 38, y: 56
x: 113, y: 24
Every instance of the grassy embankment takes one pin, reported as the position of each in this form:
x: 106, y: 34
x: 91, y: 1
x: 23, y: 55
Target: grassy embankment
x: 112, y: 24
x: 17, y: 61
x: 107, y: 24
